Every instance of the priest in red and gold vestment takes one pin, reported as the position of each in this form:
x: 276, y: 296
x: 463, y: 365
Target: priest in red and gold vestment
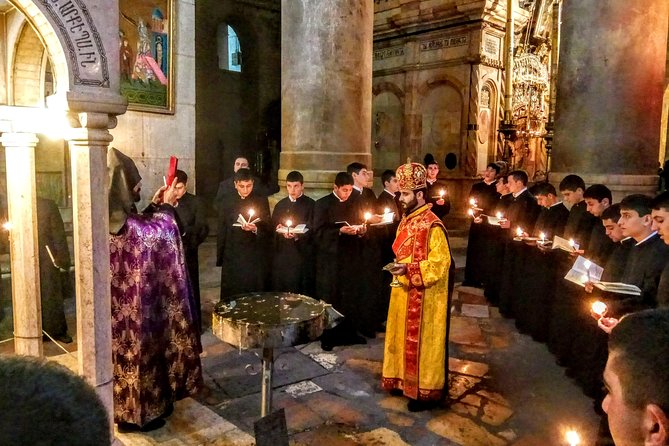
x: 415, y: 360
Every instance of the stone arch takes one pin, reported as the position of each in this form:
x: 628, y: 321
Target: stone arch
x: 387, y: 126
x: 28, y: 68
x: 45, y: 32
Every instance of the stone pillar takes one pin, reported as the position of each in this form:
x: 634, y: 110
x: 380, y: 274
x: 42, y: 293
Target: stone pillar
x: 20, y: 154
x: 88, y: 152
x: 326, y: 87
x: 609, y: 98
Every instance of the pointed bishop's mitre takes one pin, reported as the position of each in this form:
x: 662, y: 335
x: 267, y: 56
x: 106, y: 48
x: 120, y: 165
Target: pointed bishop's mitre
x: 411, y: 176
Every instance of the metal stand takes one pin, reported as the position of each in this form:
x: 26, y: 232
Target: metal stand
x: 267, y: 369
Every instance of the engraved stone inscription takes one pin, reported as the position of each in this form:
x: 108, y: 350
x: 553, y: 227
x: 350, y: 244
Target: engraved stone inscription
x: 82, y: 42
x: 446, y: 42
x: 491, y: 47
x: 386, y: 53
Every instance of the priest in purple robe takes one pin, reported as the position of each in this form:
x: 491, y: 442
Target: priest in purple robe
x: 155, y: 346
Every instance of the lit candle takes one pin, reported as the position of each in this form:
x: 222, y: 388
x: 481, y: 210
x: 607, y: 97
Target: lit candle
x: 572, y: 438
x: 368, y: 215
x: 519, y: 231
x: 386, y: 210
x: 542, y: 236
x: 289, y: 224
x: 599, y: 308
x: 251, y: 214
x: 472, y: 201
x: 499, y: 215
x: 470, y: 212
x: 441, y: 193
x: 571, y: 243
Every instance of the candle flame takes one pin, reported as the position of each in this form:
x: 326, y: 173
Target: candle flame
x: 472, y: 202
x: 386, y: 210
x: 571, y: 242
x: 7, y: 226
x: 441, y: 193
x: 289, y: 223
x: 499, y: 215
x: 470, y: 212
x: 599, y: 308
x: 368, y: 215
x: 251, y: 212
x: 542, y: 236
x: 572, y: 438
x: 519, y: 231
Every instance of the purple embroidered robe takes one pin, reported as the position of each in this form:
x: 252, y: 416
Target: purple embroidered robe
x: 155, y: 347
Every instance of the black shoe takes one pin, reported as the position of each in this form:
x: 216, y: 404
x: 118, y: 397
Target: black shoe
x: 125, y: 428
x: 396, y: 392
x: 326, y: 347
x: 419, y: 406
x: 153, y: 425
x: 64, y: 338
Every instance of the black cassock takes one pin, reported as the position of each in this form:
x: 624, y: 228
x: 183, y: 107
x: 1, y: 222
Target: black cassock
x: 552, y: 221
x: 51, y: 233
x: 495, y: 241
x: 244, y: 257
x: 579, y: 224
x: 339, y: 272
x: 192, y: 218
x: 486, y: 197
x: 292, y: 268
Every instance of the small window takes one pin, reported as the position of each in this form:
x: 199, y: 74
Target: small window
x: 229, y: 49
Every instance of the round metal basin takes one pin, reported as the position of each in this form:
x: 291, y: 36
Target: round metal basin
x: 269, y: 320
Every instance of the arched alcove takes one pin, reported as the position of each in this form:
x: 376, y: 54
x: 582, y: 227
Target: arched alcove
x: 387, y: 123
x: 441, y: 111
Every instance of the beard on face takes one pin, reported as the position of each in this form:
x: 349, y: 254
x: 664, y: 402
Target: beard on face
x: 408, y: 207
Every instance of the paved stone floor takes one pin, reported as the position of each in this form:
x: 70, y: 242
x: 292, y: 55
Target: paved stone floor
x: 505, y: 389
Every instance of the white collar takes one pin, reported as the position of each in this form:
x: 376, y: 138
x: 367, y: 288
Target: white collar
x: 390, y: 193
x: 555, y: 204
x: 492, y: 182
x: 293, y: 201
x: 359, y: 189
x: 337, y: 197
x: 516, y: 194
x: 649, y: 236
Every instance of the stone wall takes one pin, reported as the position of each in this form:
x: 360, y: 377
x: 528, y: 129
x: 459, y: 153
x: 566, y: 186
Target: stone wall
x: 237, y: 112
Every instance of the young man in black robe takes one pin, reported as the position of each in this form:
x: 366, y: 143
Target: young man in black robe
x: 292, y: 268
x: 580, y: 222
x: 192, y: 218
x: 482, y: 196
x: 597, y: 198
x: 370, y: 264
x: 554, y: 213
x: 437, y: 194
x: 338, y: 227
x: 243, y: 250
x: 496, y: 240
x: 227, y: 186
x: 519, y: 220
x: 660, y: 215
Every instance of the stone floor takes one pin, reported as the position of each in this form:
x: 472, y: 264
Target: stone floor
x: 505, y: 389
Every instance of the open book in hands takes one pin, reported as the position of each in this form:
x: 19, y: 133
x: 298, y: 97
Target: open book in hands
x: 584, y: 271
x: 241, y: 221
x: 564, y: 244
x: 386, y: 219
x: 299, y: 229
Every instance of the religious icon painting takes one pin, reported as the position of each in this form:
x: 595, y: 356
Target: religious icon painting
x: 146, y: 54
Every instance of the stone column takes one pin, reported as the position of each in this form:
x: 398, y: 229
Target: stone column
x: 88, y: 152
x: 326, y: 87
x: 609, y: 97
x: 20, y: 154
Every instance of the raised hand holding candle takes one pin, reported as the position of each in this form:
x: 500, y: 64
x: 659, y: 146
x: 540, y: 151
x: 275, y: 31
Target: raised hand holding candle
x: 599, y: 308
x: 572, y: 437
